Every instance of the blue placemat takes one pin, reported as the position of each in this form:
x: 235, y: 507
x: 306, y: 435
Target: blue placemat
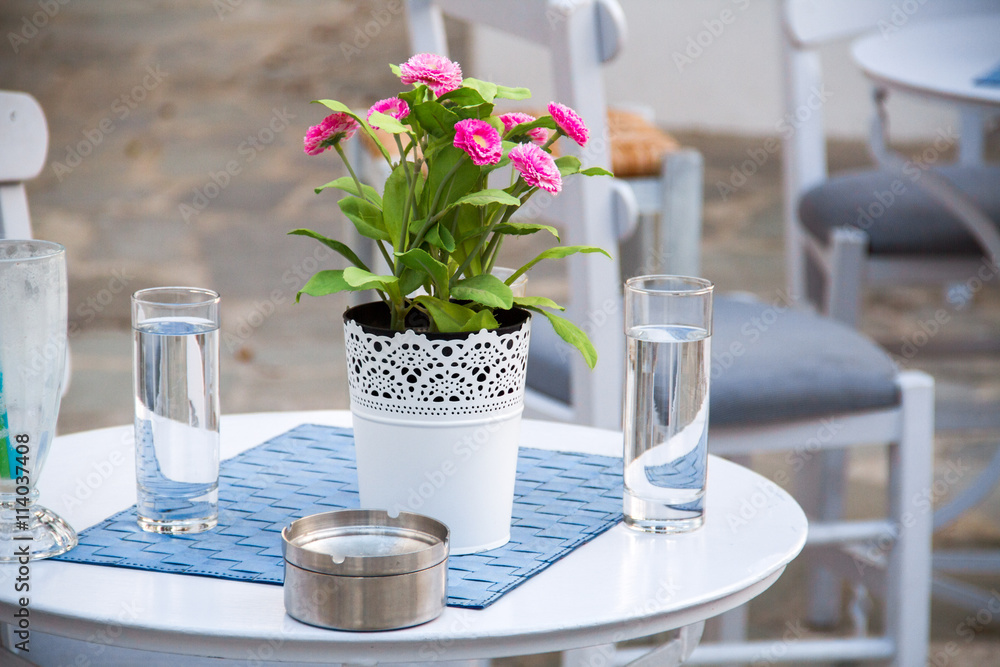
x: 991, y: 78
x: 562, y: 500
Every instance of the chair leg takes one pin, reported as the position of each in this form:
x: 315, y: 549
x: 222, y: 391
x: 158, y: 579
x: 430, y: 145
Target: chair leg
x: 910, y: 479
x: 821, y: 493
x: 848, y: 250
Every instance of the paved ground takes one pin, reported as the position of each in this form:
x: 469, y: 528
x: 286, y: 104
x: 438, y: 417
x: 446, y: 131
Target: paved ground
x: 149, y: 103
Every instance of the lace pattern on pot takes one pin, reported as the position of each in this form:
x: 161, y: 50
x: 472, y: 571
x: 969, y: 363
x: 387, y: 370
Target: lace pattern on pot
x: 410, y: 374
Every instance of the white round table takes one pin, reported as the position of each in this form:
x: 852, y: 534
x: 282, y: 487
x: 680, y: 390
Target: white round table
x: 619, y: 586
x: 940, y: 60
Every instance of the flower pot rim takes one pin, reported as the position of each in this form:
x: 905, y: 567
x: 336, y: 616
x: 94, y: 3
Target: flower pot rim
x: 363, y: 315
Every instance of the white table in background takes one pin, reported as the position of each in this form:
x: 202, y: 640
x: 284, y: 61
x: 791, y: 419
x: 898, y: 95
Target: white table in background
x: 940, y: 60
x: 621, y: 585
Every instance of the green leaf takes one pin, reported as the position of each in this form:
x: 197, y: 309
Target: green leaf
x: 334, y: 105
x: 482, y: 320
x: 414, y: 96
x: 568, y: 164
x: 447, y: 317
x: 485, y: 88
x: 334, y: 245
x: 464, y: 97
x: 361, y: 279
x: 460, y: 182
x: 596, y: 171
x: 536, y: 302
x: 485, y: 289
x: 420, y: 260
x: 439, y: 237
x: 347, y: 184
x: 394, y: 203
x: 351, y: 279
x: 558, y: 252
x: 572, y: 334
x: 323, y: 283
x: 395, y: 69
x: 367, y: 218
x: 435, y: 118
x: 387, y: 123
x: 522, y: 128
x: 524, y: 228
x: 486, y: 197
x: 508, y: 93
x: 496, y: 123
x: 410, y: 280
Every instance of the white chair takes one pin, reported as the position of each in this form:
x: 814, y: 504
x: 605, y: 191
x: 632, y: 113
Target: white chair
x: 831, y: 252
x: 24, y: 144
x: 917, y: 241
x: 780, y: 391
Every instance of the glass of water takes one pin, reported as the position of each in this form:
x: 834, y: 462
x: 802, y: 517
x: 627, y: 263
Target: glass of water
x: 668, y: 328
x: 33, y: 312
x: 176, y: 380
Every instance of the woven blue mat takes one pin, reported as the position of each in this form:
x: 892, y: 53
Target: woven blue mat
x: 991, y: 78
x: 562, y: 500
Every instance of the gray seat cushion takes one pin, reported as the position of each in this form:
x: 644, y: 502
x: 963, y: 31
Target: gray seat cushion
x: 770, y: 364
x: 898, y: 216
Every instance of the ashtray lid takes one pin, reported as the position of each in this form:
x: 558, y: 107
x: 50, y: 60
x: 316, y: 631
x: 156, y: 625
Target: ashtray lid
x: 365, y: 543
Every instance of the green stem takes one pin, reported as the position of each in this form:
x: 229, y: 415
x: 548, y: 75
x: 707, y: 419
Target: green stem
x: 552, y: 139
x: 482, y: 240
x: 357, y: 183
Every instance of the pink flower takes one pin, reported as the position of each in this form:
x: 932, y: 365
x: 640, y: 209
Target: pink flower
x: 437, y: 72
x: 537, y: 167
x: 539, y: 135
x: 390, y: 106
x: 480, y: 140
x: 569, y: 122
x: 332, y: 130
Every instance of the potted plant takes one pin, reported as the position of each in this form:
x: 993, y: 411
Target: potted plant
x: 436, y: 366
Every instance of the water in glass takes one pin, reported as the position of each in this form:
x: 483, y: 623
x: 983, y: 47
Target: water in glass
x: 666, y: 426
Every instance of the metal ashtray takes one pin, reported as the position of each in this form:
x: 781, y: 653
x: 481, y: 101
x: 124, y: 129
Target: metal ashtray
x: 365, y: 570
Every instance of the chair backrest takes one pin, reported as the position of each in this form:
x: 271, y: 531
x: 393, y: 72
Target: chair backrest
x: 582, y: 35
x: 24, y: 143
x: 806, y: 25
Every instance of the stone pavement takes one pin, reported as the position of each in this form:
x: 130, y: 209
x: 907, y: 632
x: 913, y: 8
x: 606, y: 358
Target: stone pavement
x: 175, y: 158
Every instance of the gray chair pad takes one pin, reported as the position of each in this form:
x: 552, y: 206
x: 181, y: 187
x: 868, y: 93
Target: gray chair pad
x: 898, y: 216
x: 770, y: 364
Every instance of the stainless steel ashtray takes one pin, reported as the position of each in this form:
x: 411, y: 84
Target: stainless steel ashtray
x: 364, y: 570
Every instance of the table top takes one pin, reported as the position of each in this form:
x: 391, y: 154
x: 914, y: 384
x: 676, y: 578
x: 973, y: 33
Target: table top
x: 621, y: 585
x: 940, y: 58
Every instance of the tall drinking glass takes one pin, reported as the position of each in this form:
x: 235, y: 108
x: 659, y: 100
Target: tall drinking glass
x: 32, y: 370
x: 668, y: 327
x: 176, y: 381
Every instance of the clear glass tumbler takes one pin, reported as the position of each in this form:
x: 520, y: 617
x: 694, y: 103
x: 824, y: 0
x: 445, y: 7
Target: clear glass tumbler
x: 668, y: 328
x: 33, y: 310
x: 176, y: 381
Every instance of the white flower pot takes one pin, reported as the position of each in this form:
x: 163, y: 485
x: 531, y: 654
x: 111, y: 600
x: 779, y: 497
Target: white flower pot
x: 437, y: 421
